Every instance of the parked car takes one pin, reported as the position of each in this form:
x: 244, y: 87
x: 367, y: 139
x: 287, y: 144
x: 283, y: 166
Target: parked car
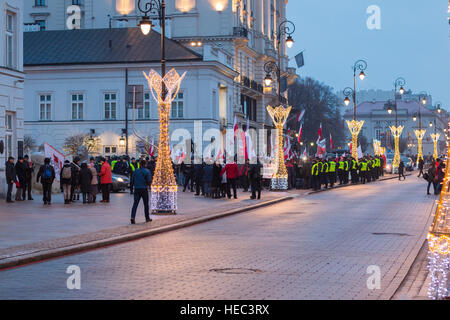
x: 119, y: 182
x: 409, y: 164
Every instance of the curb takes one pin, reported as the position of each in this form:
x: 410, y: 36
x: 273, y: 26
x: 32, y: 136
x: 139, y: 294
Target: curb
x: 55, y: 253
x: 349, y: 185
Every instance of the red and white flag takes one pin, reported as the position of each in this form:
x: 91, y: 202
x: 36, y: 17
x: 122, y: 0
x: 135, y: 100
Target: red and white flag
x: 300, y: 131
x: 321, y: 148
x: 287, y: 148
x: 235, y: 126
x: 331, y: 142
x: 151, y: 150
x: 56, y: 159
x: 320, y: 132
x: 305, y: 154
x: 300, y: 116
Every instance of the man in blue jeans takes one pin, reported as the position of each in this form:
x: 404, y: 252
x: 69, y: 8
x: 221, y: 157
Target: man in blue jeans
x: 141, y: 180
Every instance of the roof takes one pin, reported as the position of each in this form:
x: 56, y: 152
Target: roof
x: 100, y: 46
x: 369, y: 107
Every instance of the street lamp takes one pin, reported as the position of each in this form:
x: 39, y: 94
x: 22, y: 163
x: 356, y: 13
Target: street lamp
x: 397, y: 130
x: 355, y: 126
x: 165, y: 87
x: 420, y: 134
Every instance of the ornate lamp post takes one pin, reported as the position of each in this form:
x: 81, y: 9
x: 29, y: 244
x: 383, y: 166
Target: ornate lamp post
x: 397, y: 130
x: 420, y: 134
x: 435, y: 137
x: 279, y: 114
x: 355, y: 126
x: 164, y: 88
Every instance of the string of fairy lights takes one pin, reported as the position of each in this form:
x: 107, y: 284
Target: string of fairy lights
x: 439, y: 241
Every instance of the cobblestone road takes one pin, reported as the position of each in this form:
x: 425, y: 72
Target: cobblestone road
x: 314, y: 247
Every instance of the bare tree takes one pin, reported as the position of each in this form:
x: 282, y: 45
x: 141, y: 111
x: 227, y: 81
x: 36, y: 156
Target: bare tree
x: 29, y: 143
x: 74, y: 144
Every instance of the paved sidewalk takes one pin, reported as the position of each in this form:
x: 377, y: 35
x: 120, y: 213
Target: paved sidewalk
x: 30, y: 229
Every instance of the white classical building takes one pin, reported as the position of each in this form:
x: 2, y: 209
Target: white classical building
x: 11, y: 83
x: 237, y: 37
x: 377, y: 121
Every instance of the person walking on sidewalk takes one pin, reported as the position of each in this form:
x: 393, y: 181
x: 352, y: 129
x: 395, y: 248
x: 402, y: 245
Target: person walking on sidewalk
x: 401, y: 169
x: 11, y: 178
x: 142, y: 181
x: 29, y: 169
x: 232, y: 171
x: 105, y: 180
x: 255, y: 179
x: 66, y: 179
x: 47, y: 175
x: 94, y: 182
x: 85, y: 182
x: 22, y: 177
x: 420, y: 166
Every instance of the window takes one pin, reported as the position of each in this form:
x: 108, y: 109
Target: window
x: 39, y: 3
x: 10, y: 40
x: 145, y: 112
x: 76, y: 2
x: 178, y: 106
x: 378, y: 134
x: 110, y: 150
x: 9, y: 123
x: 45, y: 107
x: 77, y: 106
x: 41, y: 24
x: 110, y: 104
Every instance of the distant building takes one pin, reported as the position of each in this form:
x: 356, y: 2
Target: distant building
x: 11, y: 83
x: 240, y: 33
x: 76, y: 80
x: 378, y: 120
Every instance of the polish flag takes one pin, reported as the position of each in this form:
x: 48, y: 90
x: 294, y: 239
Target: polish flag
x: 321, y: 148
x: 331, y: 142
x: 304, y: 155
x: 151, y: 151
x: 320, y: 132
x: 287, y: 148
x: 300, y: 116
x: 235, y: 126
x: 299, y: 139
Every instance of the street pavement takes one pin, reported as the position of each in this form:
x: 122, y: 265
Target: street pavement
x: 314, y: 247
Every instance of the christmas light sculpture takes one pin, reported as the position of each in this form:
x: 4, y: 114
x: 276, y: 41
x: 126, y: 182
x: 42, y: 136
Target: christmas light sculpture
x: 355, y: 127
x: 396, y: 133
x: 279, y: 116
x: 420, y: 134
x: 435, y: 138
x: 439, y: 243
x: 164, y: 187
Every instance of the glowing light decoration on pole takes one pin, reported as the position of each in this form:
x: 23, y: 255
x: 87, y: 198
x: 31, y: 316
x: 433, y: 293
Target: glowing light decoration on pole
x: 355, y: 127
x: 420, y: 134
x: 396, y: 133
x: 435, y: 138
x: 279, y: 116
x: 439, y: 243
x: 164, y: 187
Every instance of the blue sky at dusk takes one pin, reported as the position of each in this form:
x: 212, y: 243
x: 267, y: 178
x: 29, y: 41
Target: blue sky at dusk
x: 413, y: 42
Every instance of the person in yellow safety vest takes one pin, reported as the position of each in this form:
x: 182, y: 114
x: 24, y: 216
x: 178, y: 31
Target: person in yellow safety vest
x: 354, y: 171
x: 315, y: 182
x: 133, y: 167
x: 331, y: 172
x: 346, y: 169
x: 113, y: 164
x: 378, y: 167
x: 324, y: 174
x: 363, y: 170
x: 341, y: 170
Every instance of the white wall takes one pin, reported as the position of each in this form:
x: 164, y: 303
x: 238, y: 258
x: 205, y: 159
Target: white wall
x: 11, y: 90
x: 93, y: 81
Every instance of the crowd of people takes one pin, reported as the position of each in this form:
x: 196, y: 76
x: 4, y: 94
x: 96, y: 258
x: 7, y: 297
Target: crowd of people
x: 203, y: 178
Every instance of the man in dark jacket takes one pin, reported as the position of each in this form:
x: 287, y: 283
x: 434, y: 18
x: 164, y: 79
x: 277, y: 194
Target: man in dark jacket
x: 74, y: 188
x: 22, y: 177
x: 141, y: 181
x: 198, y: 178
x: 29, y: 169
x: 47, y: 175
x: 188, y: 172
x: 420, y: 165
x: 11, y: 178
x: 255, y: 179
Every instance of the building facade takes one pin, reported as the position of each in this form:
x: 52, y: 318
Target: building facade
x: 81, y: 89
x: 377, y: 121
x: 11, y: 83
x: 241, y: 32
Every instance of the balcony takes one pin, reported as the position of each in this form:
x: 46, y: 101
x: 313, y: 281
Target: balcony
x: 251, y: 84
x: 240, y: 32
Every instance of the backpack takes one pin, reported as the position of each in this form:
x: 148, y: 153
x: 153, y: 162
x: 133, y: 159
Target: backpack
x: 47, y: 174
x: 67, y: 173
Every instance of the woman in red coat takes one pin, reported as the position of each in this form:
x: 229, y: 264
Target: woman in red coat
x: 105, y: 180
x: 232, y: 171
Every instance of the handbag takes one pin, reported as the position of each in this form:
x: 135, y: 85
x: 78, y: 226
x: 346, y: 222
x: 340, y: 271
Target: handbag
x: 17, y: 184
x: 425, y: 176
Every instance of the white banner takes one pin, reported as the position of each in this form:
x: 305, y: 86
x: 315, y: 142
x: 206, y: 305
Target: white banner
x: 56, y: 158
